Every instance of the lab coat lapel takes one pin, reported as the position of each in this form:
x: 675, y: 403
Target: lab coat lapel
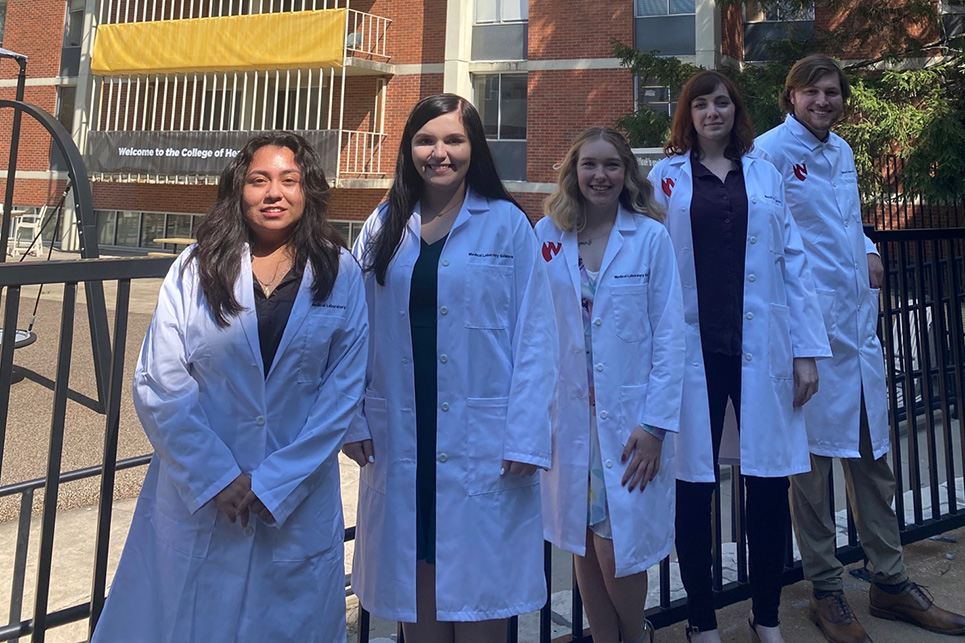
x: 622, y: 224
x: 571, y: 253
x: 303, y: 302
x: 248, y: 317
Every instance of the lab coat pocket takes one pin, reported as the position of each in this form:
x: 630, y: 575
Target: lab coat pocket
x: 630, y: 311
x: 632, y: 401
x: 486, y: 423
x: 377, y: 416
x: 488, y: 295
x: 178, y: 528
x: 826, y: 299
x: 313, y: 344
x: 310, y: 531
x: 779, y: 344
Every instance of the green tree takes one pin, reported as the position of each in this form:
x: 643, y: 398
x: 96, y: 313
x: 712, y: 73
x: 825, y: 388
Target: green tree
x: 915, y: 109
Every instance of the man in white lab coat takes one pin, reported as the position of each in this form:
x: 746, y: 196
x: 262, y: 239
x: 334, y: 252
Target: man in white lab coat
x: 848, y: 417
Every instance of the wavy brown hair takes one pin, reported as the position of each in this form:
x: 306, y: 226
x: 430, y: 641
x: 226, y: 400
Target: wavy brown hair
x: 565, y: 205
x: 683, y: 135
x: 806, y: 72
x: 223, y: 233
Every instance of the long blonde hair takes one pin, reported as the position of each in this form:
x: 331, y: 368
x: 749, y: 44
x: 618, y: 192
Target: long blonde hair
x: 565, y: 205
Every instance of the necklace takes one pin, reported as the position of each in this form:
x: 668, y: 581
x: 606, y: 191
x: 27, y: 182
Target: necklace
x: 269, y: 286
x: 589, y: 240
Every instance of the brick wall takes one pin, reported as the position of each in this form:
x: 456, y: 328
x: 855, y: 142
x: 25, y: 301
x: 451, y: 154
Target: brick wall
x: 566, y: 29
x: 561, y: 104
x: 732, y: 32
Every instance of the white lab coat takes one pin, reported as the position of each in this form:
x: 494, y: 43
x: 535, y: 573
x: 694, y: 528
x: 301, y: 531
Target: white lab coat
x: 638, y: 353
x: 497, y: 371
x: 822, y: 192
x: 782, y: 320
x: 187, y: 574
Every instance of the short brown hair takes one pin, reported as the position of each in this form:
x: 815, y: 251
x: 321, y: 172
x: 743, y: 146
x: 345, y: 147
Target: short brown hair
x: 683, y: 136
x: 806, y: 72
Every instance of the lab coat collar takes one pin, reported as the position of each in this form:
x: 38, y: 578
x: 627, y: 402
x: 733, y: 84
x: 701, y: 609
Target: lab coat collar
x: 472, y: 204
x: 806, y: 136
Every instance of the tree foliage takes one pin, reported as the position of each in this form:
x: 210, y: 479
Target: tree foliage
x: 908, y: 99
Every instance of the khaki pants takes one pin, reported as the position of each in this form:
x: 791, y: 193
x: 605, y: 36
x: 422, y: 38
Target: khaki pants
x: 871, y: 490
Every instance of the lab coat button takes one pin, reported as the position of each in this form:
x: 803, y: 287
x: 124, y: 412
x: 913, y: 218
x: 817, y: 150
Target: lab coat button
x: 753, y: 240
x: 748, y: 356
x: 445, y: 406
x: 609, y: 464
x: 597, y: 321
x: 603, y: 415
x: 750, y: 315
x: 405, y: 360
x: 751, y: 277
x: 443, y: 457
x: 834, y: 184
x: 249, y: 531
x: 260, y: 420
x: 445, y: 262
x: 443, y: 358
x: 599, y: 367
x: 444, y: 310
x: 754, y: 199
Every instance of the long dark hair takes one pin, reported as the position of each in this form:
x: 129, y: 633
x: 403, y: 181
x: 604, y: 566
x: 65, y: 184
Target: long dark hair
x: 683, y: 135
x: 407, y: 186
x: 222, y: 234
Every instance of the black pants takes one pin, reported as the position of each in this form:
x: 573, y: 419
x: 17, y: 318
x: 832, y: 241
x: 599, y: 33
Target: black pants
x: 767, y: 517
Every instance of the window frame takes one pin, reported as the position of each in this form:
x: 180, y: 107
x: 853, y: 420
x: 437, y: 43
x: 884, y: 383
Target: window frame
x: 499, y: 103
x: 797, y: 16
x: 638, y: 15
x: 499, y: 12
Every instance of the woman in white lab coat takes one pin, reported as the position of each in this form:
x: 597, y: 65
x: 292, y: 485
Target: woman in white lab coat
x: 250, y: 374
x: 754, y: 328
x: 609, y: 497
x: 462, y: 369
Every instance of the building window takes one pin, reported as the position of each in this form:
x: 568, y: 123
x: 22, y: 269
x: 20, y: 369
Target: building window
x: 501, y: 101
x: 490, y: 11
x: 778, y: 12
x: 656, y: 98
x: 646, y: 8
x: 3, y: 17
x: 349, y: 229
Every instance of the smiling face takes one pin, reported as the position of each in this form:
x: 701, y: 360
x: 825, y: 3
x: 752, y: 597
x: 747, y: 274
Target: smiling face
x: 713, y: 116
x: 600, y: 175
x: 273, y: 197
x: 819, y: 106
x: 441, y: 152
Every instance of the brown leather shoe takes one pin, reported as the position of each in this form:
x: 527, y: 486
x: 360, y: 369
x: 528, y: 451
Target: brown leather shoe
x: 837, y: 622
x: 916, y: 606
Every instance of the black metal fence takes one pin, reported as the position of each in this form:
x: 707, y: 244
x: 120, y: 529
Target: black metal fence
x: 922, y: 320
x: 896, y: 208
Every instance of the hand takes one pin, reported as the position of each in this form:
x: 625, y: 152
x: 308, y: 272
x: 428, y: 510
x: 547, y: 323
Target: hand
x: 517, y: 468
x: 361, y: 451
x: 229, y: 499
x: 256, y: 506
x: 643, y: 451
x: 876, y: 270
x: 805, y: 380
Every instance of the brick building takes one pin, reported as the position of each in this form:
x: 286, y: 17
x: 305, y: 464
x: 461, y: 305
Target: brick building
x: 538, y: 70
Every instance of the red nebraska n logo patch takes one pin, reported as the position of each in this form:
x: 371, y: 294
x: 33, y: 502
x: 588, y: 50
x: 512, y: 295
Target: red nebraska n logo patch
x: 667, y: 186
x: 550, y: 249
x: 801, y: 171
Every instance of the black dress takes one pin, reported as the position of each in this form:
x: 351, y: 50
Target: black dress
x: 422, y: 321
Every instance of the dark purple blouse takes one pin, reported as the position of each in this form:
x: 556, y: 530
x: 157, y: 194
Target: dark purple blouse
x: 718, y: 217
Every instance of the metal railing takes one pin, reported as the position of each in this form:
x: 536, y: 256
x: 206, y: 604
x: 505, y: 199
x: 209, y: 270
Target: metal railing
x: 923, y: 299
x: 361, y: 154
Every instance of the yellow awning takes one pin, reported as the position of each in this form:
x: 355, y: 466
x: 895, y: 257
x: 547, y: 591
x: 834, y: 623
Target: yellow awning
x: 294, y: 40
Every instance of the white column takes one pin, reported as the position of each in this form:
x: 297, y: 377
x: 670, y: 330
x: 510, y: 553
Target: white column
x: 82, y: 104
x: 707, y: 18
x: 456, y: 78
